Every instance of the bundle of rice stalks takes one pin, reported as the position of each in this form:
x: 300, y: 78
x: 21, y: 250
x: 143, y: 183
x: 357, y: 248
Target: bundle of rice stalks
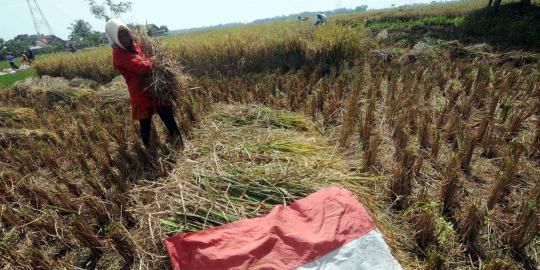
x: 13, y: 116
x: 25, y: 136
x: 66, y: 95
x: 267, y: 117
x: 114, y: 92
x: 167, y: 78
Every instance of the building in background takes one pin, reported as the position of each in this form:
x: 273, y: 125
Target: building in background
x: 154, y: 30
x: 49, y: 41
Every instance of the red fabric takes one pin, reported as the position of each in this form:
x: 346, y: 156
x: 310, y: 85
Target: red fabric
x: 136, y: 67
x: 287, y: 238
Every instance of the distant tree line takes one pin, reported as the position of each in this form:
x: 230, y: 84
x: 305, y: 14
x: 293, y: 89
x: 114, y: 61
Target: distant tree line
x: 81, y: 32
x: 278, y: 18
x: 20, y: 44
x: 312, y: 14
x: 17, y: 45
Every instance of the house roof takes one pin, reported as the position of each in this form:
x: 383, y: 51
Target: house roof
x: 151, y: 26
x: 154, y: 29
x: 47, y: 40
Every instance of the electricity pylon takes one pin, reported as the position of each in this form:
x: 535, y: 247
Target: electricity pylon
x: 40, y: 22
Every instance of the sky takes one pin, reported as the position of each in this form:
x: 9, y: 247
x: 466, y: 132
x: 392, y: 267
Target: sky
x: 176, y: 14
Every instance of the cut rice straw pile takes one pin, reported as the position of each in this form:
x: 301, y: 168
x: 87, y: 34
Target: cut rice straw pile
x: 167, y: 78
x: 241, y: 169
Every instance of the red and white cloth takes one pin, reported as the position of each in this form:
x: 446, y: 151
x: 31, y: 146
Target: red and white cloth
x: 329, y: 229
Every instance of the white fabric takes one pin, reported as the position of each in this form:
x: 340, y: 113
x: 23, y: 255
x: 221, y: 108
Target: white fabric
x: 111, y: 28
x: 368, y: 252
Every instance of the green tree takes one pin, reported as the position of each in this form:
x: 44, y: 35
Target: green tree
x: 19, y: 44
x: 79, y: 30
x: 164, y: 28
x: 361, y: 8
x: 2, y: 49
x: 109, y: 9
x: 82, y: 34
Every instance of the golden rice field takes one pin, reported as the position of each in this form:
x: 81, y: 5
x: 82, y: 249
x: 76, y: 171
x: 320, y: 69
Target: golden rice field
x: 440, y: 141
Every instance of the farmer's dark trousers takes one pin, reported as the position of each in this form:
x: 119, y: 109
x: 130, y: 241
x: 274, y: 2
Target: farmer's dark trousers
x: 13, y: 66
x: 167, y: 116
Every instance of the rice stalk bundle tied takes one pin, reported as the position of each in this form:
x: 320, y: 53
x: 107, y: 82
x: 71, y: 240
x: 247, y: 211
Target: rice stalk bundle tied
x: 166, y: 79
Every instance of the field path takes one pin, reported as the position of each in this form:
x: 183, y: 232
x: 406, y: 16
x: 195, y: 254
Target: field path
x: 241, y: 161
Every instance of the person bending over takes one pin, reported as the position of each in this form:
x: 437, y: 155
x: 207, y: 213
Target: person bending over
x: 135, y: 66
x: 11, y: 61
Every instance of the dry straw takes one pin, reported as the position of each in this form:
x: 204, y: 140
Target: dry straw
x: 167, y: 78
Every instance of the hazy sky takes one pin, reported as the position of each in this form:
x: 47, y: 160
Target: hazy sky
x: 176, y: 14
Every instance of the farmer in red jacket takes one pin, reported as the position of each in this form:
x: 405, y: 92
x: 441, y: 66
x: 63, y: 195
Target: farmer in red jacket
x: 135, y: 65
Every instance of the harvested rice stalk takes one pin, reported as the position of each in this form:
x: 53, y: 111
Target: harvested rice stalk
x: 470, y: 228
x: 450, y: 187
x: 498, y: 264
x: 423, y: 220
x: 435, y: 261
x: 122, y: 244
x: 168, y: 81
x: 507, y: 177
x: 401, y: 185
x: 527, y: 224
x: 167, y: 78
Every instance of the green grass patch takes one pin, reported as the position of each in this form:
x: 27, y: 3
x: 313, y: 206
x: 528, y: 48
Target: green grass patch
x: 5, y: 64
x: 9, y: 79
x: 406, y: 23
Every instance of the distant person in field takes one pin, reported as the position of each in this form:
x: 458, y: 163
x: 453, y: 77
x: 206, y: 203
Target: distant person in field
x: 30, y: 55
x: 321, y: 19
x: 25, y: 60
x: 135, y: 65
x: 11, y: 61
x: 71, y: 48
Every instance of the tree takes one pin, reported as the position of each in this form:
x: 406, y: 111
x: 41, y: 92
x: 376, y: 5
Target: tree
x: 19, y: 44
x: 79, y: 30
x: 361, y: 8
x: 164, y: 28
x: 82, y: 34
x: 2, y: 49
x: 109, y: 9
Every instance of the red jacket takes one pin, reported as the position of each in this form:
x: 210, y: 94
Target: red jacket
x: 136, y: 67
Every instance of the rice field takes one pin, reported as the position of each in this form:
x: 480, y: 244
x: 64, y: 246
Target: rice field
x: 440, y: 140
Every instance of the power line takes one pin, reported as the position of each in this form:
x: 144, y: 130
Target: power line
x: 39, y: 19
